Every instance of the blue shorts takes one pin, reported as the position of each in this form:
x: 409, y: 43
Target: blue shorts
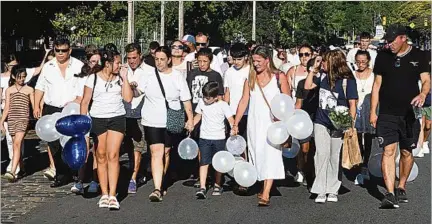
x: 208, y: 148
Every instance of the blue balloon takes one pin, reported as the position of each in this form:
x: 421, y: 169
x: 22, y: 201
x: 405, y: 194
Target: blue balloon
x: 74, y: 125
x: 75, y: 152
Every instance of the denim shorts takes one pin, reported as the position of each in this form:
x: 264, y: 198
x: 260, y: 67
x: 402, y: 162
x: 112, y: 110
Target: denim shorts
x: 208, y: 148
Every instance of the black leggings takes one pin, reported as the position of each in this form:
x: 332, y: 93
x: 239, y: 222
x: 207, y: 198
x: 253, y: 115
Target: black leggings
x: 367, y: 147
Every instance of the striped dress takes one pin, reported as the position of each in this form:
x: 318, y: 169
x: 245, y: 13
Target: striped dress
x: 18, y: 115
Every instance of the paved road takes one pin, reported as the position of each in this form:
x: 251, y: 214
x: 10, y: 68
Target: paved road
x: 289, y: 204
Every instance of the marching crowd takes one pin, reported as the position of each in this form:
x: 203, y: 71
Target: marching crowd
x: 140, y: 104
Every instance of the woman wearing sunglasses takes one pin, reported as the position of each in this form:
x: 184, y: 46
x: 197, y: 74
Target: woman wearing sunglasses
x: 299, y: 72
x: 178, y: 62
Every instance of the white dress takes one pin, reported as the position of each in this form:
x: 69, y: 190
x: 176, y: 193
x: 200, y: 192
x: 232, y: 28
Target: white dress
x: 266, y: 158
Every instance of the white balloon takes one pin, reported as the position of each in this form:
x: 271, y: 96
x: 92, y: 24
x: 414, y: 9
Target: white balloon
x: 282, y: 106
x: 413, y: 174
x: 45, y: 128
x: 374, y: 165
x: 237, y: 159
x: 277, y: 133
x: 236, y: 144
x: 64, y: 139
x: 301, y: 112
x: 416, y: 151
x: 223, y: 161
x: 245, y: 174
x: 300, y: 126
x: 293, y: 151
x: 71, y: 108
x: 188, y: 149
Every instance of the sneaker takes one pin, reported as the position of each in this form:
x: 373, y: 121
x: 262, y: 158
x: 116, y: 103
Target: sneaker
x: 389, y: 201
x: 93, y: 187
x: 425, y: 147
x: 401, y: 195
x: 420, y: 152
x: 217, y: 191
x: 299, y: 177
x: 77, y: 188
x: 197, y: 184
x: 359, y: 180
x: 132, y: 187
x: 201, y: 193
x: 332, y: 198
x: 321, y: 198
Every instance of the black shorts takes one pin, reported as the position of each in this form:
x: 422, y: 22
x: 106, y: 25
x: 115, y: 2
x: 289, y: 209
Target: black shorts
x: 102, y: 125
x: 392, y: 129
x: 155, y: 135
x: 208, y: 148
x: 134, y: 136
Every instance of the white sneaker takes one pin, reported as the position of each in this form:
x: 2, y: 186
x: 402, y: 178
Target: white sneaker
x: 425, y: 147
x: 299, y: 177
x: 419, y: 154
x: 359, y: 180
x: 321, y: 198
x: 332, y: 198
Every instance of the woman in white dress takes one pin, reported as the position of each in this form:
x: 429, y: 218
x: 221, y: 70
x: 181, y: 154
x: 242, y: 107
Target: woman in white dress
x: 261, y: 86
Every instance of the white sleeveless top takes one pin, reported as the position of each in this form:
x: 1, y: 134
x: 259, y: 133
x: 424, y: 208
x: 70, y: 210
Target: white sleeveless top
x: 295, y: 81
x: 364, y: 87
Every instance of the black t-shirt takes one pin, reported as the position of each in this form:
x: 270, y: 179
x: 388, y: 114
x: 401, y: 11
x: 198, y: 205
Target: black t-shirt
x: 399, y: 84
x: 309, y: 97
x: 149, y: 59
x: 196, y: 79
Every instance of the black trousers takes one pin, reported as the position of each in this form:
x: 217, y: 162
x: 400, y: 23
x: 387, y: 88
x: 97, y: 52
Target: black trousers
x: 63, y: 172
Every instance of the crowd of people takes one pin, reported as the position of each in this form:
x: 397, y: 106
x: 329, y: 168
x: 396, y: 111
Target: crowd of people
x: 138, y: 105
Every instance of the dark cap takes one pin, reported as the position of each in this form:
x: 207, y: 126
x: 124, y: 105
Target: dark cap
x: 394, y: 31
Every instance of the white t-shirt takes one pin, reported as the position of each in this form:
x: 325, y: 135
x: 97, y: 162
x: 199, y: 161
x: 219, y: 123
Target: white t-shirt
x: 80, y: 87
x: 293, y: 59
x: 30, y: 72
x: 134, y: 76
x: 107, y: 97
x: 4, y: 84
x: 213, y: 117
x: 154, y: 111
x: 181, y: 68
x: 234, y: 81
x: 285, y: 67
x: 353, y: 52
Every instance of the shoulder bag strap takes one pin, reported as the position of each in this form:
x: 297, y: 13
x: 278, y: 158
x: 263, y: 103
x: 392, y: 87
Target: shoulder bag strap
x: 161, y: 86
x: 94, y: 86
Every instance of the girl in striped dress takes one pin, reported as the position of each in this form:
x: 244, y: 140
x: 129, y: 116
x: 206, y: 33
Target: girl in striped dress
x: 16, y: 111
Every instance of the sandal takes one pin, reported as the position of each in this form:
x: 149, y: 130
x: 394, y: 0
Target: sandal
x: 113, y: 203
x: 10, y: 177
x: 104, y: 201
x: 155, y: 196
x: 242, y: 190
x: 259, y: 195
x: 264, y: 203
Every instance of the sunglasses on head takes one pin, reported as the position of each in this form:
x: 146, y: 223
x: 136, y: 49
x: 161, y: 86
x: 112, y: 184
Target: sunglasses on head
x: 180, y: 47
x: 201, y: 44
x: 61, y: 50
x: 304, y: 54
x: 397, y: 62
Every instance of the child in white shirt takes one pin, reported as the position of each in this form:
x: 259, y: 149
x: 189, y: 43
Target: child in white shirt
x: 212, y: 136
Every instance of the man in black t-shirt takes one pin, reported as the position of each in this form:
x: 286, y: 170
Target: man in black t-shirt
x: 396, y: 89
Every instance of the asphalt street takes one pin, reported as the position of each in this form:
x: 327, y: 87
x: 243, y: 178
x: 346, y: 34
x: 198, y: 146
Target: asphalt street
x: 290, y: 203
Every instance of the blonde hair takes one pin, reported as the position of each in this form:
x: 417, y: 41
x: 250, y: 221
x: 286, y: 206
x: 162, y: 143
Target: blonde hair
x: 266, y: 53
x: 337, y: 67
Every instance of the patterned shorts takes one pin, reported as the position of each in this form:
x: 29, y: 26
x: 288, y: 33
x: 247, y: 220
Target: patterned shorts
x: 17, y: 126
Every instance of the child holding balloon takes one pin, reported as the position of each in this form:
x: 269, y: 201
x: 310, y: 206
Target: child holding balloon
x: 16, y: 111
x: 212, y: 134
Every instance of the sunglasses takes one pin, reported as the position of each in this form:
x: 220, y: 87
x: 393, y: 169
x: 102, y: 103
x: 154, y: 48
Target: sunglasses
x: 10, y: 66
x: 61, y: 50
x: 179, y: 47
x: 397, y: 62
x: 304, y: 54
x: 201, y: 44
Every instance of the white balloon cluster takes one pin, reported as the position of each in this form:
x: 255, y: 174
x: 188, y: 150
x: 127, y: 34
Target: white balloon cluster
x: 45, y: 126
x: 294, y: 122
x: 374, y: 166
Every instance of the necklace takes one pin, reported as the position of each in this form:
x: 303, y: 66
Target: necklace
x: 19, y: 88
x: 362, y: 81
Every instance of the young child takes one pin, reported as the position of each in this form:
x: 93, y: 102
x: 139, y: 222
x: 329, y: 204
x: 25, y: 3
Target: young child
x: 212, y: 135
x: 16, y: 111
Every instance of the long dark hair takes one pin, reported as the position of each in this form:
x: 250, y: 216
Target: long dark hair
x: 8, y: 59
x: 86, y: 70
x: 15, y: 72
x: 107, y: 56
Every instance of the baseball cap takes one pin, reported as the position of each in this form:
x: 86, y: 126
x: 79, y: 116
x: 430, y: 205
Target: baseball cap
x: 393, y: 31
x: 189, y: 38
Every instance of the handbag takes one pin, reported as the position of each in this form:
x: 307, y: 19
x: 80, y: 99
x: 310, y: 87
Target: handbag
x: 351, y: 155
x: 175, y: 118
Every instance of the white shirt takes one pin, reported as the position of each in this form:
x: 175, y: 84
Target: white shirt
x: 213, y: 117
x: 181, y: 68
x: 214, y: 65
x: 364, y: 87
x: 107, y: 97
x: 285, y: 67
x: 4, y: 84
x: 154, y: 111
x: 58, y: 90
x: 293, y: 59
x: 276, y: 61
x: 135, y: 76
x: 30, y: 72
x: 234, y: 81
x: 353, y: 52
x: 80, y: 87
